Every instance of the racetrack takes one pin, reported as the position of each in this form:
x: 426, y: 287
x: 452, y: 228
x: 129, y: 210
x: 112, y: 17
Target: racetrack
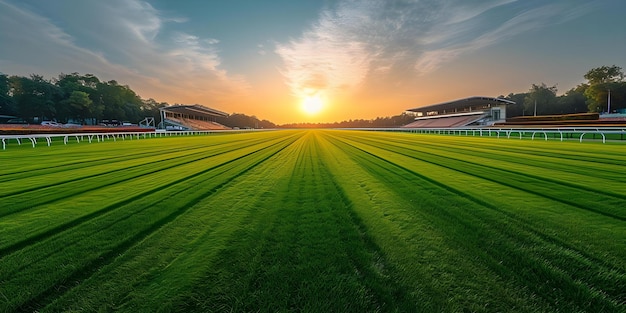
x: 314, y: 220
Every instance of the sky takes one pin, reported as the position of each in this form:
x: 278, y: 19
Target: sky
x: 292, y: 61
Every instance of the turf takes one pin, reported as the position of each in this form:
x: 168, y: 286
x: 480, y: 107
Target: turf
x: 316, y: 221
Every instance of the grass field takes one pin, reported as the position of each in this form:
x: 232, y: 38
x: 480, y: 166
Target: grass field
x: 316, y: 221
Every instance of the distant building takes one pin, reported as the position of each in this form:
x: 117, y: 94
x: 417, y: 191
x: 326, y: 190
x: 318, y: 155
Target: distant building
x: 467, y: 112
x: 190, y: 117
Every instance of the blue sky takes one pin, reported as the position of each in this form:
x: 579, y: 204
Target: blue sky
x: 363, y: 59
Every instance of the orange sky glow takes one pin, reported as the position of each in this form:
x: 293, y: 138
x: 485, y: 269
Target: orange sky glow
x: 363, y: 59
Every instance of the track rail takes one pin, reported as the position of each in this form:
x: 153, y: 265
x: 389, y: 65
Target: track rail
x: 34, y: 139
x: 561, y: 133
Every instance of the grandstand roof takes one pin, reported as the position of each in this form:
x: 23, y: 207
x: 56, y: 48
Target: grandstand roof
x: 194, y: 110
x: 462, y: 103
x: 446, y: 121
x: 428, y: 117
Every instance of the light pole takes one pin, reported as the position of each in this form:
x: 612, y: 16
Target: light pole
x: 609, y: 103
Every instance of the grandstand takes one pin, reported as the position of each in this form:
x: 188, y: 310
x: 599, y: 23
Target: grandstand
x: 190, y: 117
x: 467, y: 112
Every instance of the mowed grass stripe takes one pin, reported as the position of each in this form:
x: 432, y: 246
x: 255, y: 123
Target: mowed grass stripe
x: 26, y: 168
x: 26, y: 163
x: 614, y: 225
x: 391, y: 232
x: 111, y: 152
x: 408, y: 214
x: 174, y: 259
x: 51, y: 294
x: 553, y: 161
x: 99, y: 197
x: 560, y: 267
x: 611, y: 204
x: 28, y: 227
x: 116, y: 203
x: 587, y: 151
x: 107, y: 242
x: 322, y: 220
x: 56, y: 176
x: 113, y: 174
x: 594, y: 166
x: 567, y: 170
x: 306, y: 255
x: 529, y: 208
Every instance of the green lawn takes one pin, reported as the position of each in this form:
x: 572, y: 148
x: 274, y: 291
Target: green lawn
x: 315, y: 221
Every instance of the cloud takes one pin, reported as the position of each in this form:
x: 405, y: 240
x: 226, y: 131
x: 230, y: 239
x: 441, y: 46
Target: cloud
x: 328, y: 57
x: 32, y: 38
x: 355, y: 41
x: 449, y: 45
x: 125, y: 40
x: 359, y: 38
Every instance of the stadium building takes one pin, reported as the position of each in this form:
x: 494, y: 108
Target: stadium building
x: 190, y: 117
x: 467, y: 112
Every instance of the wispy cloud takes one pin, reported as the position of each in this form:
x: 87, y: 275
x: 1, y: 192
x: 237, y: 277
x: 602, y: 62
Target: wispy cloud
x: 124, y: 40
x: 356, y: 40
x: 449, y: 45
x: 330, y: 56
x: 354, y: 47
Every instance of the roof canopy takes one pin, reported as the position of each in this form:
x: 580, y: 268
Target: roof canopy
x: 460, y: 104
x: 194, y: 110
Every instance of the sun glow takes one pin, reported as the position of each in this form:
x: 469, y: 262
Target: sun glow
x: 312, y: 104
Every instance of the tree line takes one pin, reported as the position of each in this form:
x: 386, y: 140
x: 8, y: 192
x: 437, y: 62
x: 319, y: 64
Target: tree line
x: 393, y: 121
x: 591, y: 96
x: 72, y: 97
x: 86, y: 99
x: 242, y: 121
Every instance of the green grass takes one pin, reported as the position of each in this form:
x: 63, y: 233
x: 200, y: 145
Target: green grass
x: 316, y: 221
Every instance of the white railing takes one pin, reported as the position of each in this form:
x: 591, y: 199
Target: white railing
x: 34, y: 139
x: 564, y: 133
x: 561, y: 133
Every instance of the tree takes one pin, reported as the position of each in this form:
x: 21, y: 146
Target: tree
x: 81, y: 106
x: 601, y: 80
x: 574, y: 101
x: 516, y: 109
x: 72, y: 96
x: 244, y: 121
x: 598, y: 96
x: 542, y: 98
x: 67, y: 84
x: 6, y: 101
x: 34, y: 97
x: 604, y: 74
x: 119, y: 102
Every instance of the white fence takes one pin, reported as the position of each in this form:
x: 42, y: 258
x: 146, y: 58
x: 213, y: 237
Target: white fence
x: 48, y: 139
x: 564, y: 133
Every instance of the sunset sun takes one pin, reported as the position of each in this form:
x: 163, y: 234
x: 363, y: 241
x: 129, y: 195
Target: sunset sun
x: 312, y: 104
